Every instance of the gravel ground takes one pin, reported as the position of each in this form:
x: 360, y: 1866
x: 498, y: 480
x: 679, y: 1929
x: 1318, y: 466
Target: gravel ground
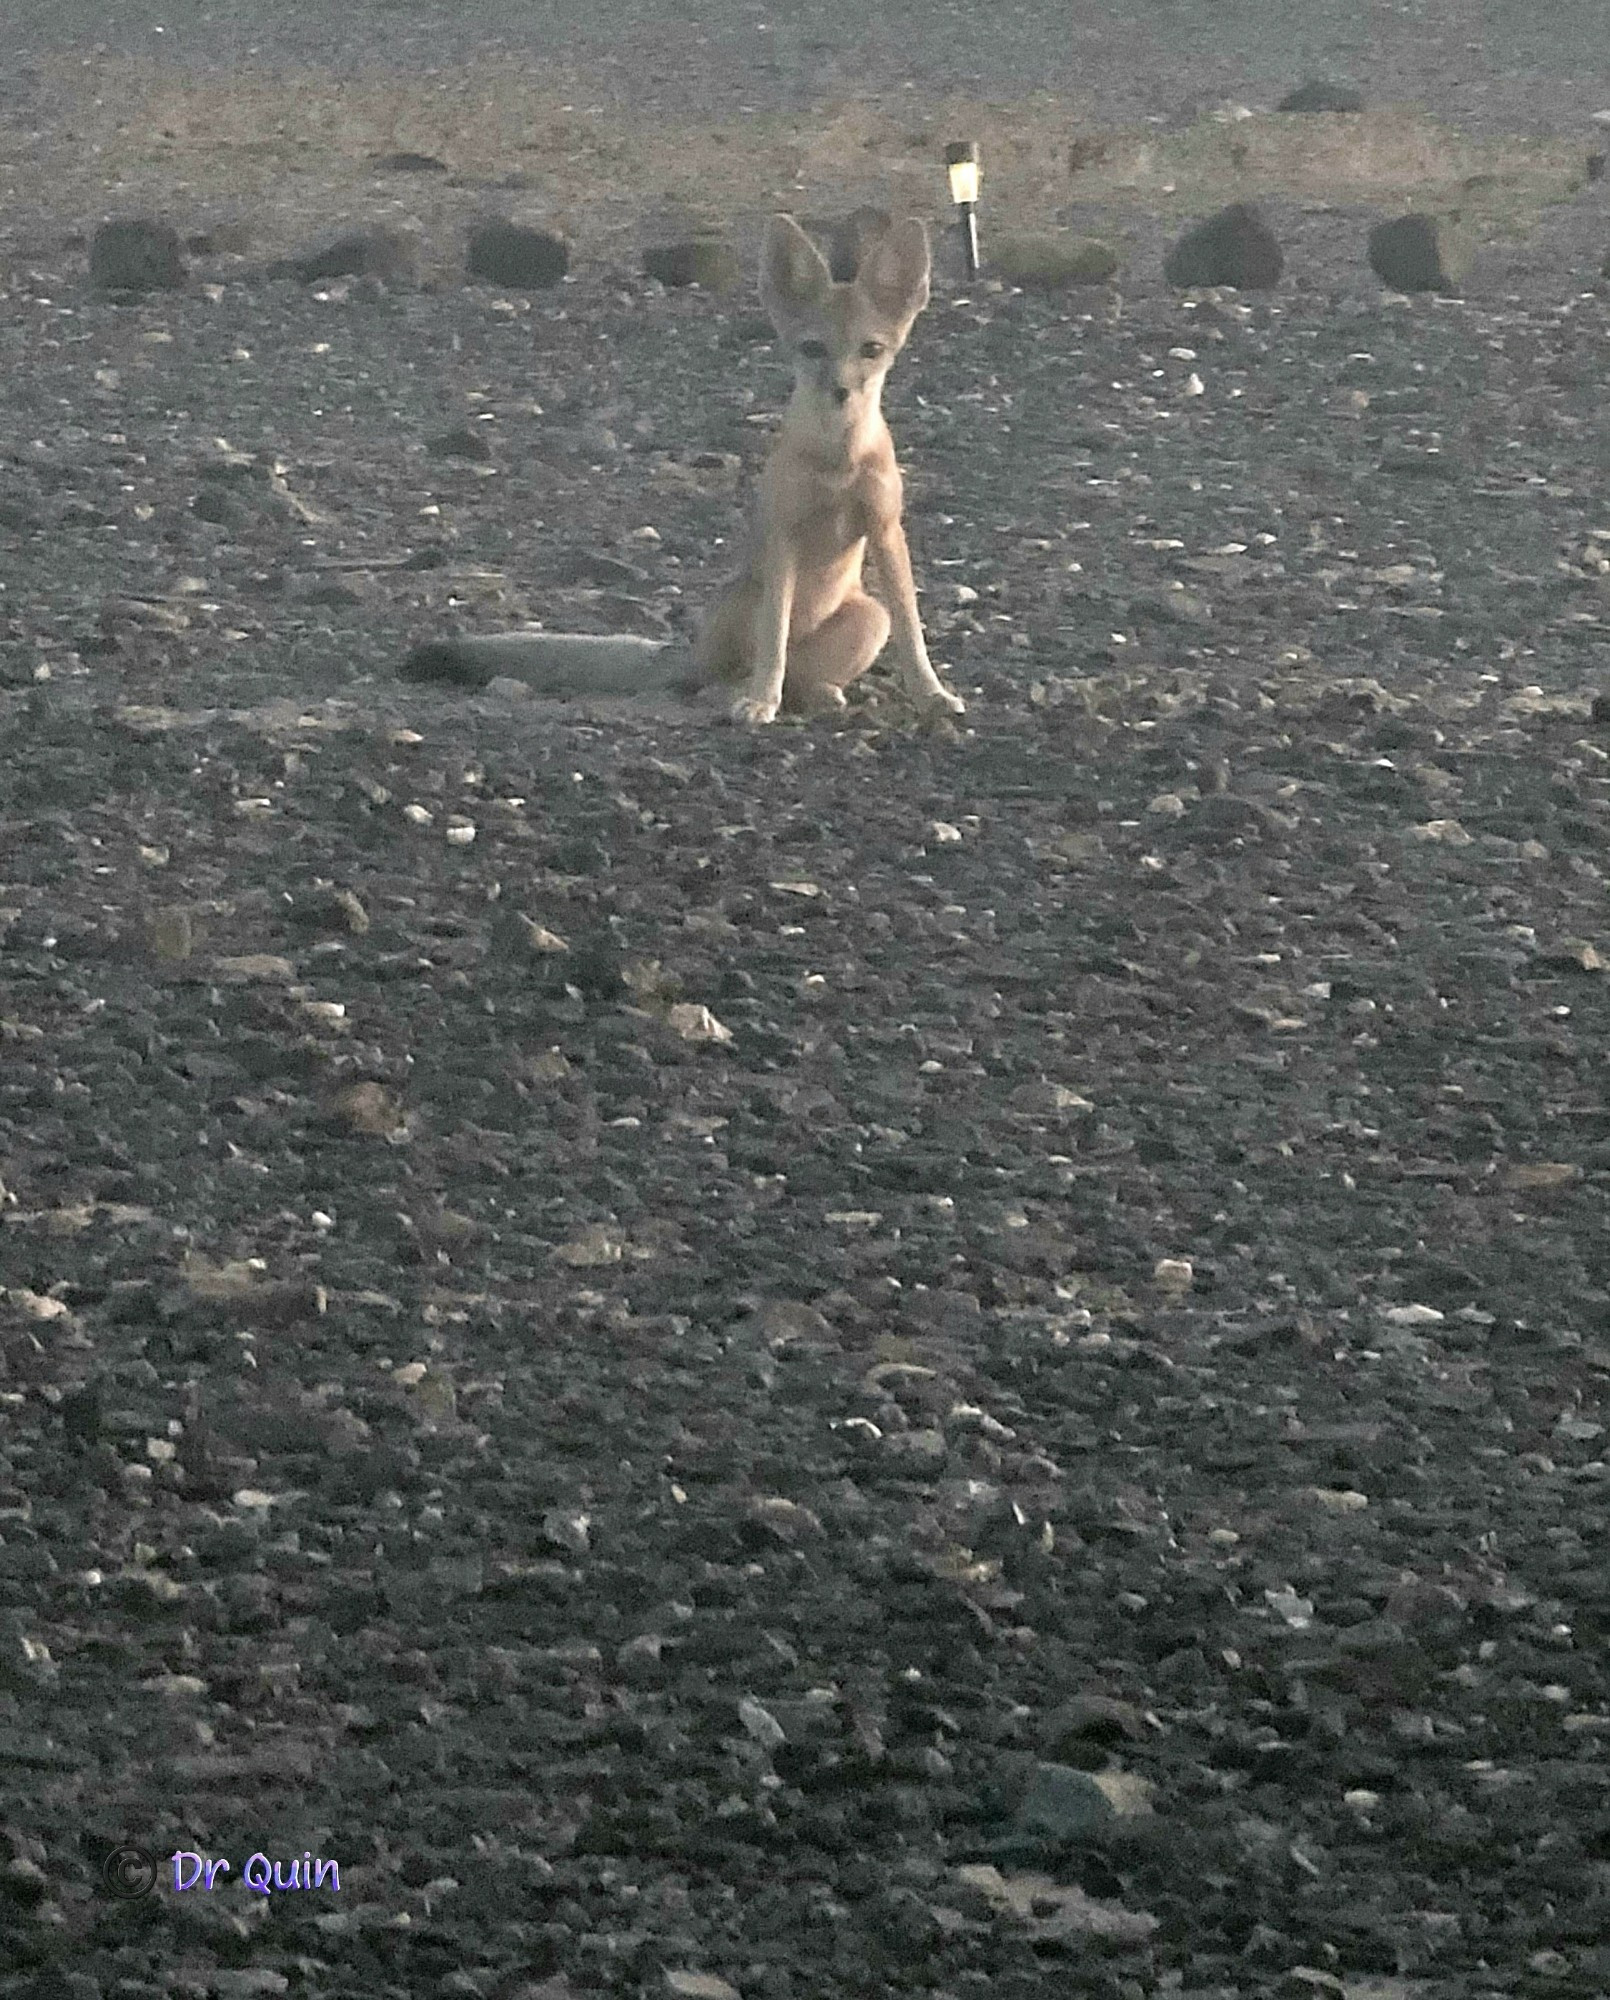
x: 838, y: 1362
x: 1509, y: 64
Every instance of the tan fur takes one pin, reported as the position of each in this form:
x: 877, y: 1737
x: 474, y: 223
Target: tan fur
x: 798, y: 625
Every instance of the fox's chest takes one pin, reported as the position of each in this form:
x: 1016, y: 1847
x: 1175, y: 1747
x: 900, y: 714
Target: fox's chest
x: 826, y: 539
x: 830, y: 529
x: 824, y: 510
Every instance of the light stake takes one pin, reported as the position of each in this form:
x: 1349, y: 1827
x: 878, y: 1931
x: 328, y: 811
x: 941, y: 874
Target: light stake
x: 961, y: 163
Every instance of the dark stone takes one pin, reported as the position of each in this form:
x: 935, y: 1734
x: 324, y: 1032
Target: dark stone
x: 1318, y: 95
x: 136, y: 255
x: 1419, y: 253
x: 1235, y: 247
x: 385, y: 254
x: 510, y: 253
x: 705, y: 261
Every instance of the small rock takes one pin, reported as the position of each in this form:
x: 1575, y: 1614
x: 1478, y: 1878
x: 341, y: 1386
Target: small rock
x: 706, y: 261
x: 524, y: 936
x: 82, y: 1411
x: 411, y: 163
x: 170, y: 935
x: 1318, y: 95
x: 1054, y: 1911
x: 1049, y: 262
x: 593, y: 1249
x: 697, y: 1024
x: 761, y: 1724
x: 330, y: 909
x: 467, y: 442
x: 512, y: 254
x: 439, y: 1228
x: 1419, y: 253
x: 1063, y: 1802
x: 1308, y: 1982
x: 568, y: 1528
x: 785, y: 1519
x: 220, y: 508
x: 176, y: 1687
x: 369, y: 1108
x: 136, y: 255
x: 1426, y: 1609
x: 594, y: 969
x: 1091, y: 1719
x: 699, y: 1986
x: 251, y: 967
x: 240, y: 1290
x: 385, y: 254
x: 786, y: 1322
x: 23, y: 1883
x: 1235, y: 247
x: 917, y: 1451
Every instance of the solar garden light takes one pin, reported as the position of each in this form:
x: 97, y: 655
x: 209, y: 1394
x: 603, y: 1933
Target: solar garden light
x: 961, y: 163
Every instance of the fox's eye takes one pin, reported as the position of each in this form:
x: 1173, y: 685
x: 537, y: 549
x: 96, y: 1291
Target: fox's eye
x: 813, y: 350
x: 871, y: 349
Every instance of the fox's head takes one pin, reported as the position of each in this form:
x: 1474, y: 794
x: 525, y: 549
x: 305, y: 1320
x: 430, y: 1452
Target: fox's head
x: 842, y: 338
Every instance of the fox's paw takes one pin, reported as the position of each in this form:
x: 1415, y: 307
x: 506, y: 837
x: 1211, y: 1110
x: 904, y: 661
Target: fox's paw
x: 754, y: 711
x: 929, y: 695
x: 819, y: 702
x: 937, y: 703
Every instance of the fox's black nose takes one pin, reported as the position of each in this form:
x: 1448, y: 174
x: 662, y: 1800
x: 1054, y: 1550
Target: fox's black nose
x: 841, y: 397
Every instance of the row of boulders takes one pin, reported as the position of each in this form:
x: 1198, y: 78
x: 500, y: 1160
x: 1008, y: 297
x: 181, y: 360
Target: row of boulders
x: 138, y: 254
x: 1411, y: 253
x: 1236, y: 247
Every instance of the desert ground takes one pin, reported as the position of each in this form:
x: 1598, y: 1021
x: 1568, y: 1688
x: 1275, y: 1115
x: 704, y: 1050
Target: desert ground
x: 859, y: 1359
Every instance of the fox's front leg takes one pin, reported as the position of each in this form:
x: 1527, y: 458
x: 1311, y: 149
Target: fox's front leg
x: 763, y: 692
x: 917, y: 675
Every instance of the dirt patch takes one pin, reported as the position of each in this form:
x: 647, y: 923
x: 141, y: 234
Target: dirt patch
x: 299, y: 148
x: 1385, y: 158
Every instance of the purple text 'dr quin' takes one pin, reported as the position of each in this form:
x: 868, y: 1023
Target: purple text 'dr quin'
x: 259, y: 1874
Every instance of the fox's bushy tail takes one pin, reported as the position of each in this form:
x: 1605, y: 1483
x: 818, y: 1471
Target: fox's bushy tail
x: 557, y: 663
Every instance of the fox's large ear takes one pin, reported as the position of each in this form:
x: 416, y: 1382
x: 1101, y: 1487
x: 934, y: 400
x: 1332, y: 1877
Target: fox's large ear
x: 793, y: 272
x: 895, y: 273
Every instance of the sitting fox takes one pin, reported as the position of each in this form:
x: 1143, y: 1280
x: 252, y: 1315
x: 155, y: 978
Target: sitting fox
x: 797, y: 626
